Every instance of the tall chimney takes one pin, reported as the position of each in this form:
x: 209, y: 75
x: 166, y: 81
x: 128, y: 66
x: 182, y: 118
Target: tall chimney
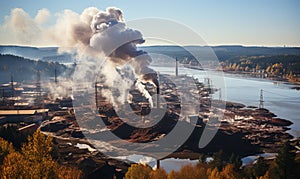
x: 96, y: 94
x: 55, y: 75
x: 157, y: 91
x: 12, y: 85
x: 176, y: 72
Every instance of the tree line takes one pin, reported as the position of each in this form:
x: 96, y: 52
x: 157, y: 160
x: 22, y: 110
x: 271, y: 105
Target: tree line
x: 33, y: 160
x: 280, y: 66
x: 285, y: 166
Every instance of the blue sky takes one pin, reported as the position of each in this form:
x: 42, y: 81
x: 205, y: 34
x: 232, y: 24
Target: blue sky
x: 255, y: 22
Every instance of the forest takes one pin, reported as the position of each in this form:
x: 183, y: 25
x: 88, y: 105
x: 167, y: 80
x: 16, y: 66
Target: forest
x: 36, y: 158
x: 22, y: 69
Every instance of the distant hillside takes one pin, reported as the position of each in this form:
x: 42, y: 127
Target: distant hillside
x: 45, y: 54
x: 222, y: 52
x: 231, y: 52
x: 24, y: 69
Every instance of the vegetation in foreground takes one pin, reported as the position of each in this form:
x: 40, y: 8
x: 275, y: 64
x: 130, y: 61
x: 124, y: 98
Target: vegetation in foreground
x: 34, y: 160
x: 285, y: 166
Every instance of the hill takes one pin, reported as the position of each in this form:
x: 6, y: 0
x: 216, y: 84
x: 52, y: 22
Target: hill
x: 49, y: 54
x: 23, y: 69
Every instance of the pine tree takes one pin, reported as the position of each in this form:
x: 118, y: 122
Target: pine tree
x: 236, y: 161
x: 260, y: 168
x: 285, y: 162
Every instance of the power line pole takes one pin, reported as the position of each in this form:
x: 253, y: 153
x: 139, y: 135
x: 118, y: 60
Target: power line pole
x: 261, y: 100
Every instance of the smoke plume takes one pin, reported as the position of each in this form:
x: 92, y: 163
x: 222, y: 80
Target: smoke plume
x: 96, y: 37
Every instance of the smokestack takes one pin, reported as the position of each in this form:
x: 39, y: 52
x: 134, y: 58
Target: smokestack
x: 176, y: 72
x: 157, y: 92
x: 96, y: 94
x: 12, y: 85
x: 55, y: 75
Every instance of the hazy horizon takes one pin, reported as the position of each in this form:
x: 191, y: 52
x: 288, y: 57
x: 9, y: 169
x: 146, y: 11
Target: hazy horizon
x: 255, y: 23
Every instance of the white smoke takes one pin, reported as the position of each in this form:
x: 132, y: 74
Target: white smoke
x: 42, y: 16
x: 98, y: 38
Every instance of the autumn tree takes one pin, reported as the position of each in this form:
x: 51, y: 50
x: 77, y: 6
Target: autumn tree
x: 5, y: 149
x: 14, y: 167
x: 65, y: 172
x: 159, y: 174
x: 138, y: 171
x: 213, y: 173
x: 35, y: 161
x: 228, y: 172
x: 37, y: 156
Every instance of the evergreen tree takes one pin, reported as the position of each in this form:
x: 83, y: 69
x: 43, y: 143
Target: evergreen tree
x: 285, y: 162
x: 236, y: 161
x: 218, y: 160
x: 260, y: 168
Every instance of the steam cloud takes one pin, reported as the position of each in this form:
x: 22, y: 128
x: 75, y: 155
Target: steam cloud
x: 98, y: 38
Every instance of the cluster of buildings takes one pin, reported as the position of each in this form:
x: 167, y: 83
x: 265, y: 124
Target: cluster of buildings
x: 27, y: 105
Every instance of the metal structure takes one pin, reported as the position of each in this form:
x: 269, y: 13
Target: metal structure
x: 176, y: 70
x: 12, y: 86
x: 220, y: 94
x: 55, y: 76
x: 38, y: 89
x: 261, y: 100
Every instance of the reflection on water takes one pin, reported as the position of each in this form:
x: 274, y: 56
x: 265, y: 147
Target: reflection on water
x: 279, y: 98
x: 168, y: 164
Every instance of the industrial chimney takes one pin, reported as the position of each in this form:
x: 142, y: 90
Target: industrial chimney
x: 176, y: 72
x: 55, y: 75
x: 157, y: 91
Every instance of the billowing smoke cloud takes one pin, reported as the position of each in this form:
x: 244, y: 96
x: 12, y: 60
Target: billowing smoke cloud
x: 98, y: 38
x: 42, y: 16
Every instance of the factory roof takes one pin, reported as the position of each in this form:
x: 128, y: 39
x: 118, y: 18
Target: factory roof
x: 19, y: 89
x: 22, y: 112
x: 21, y: 104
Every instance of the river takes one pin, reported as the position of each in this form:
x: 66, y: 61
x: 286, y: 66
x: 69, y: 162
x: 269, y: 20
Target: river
x: 278, y: 97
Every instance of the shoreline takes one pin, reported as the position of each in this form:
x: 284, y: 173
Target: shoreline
x: 252, y: 75
x: 296, y: 85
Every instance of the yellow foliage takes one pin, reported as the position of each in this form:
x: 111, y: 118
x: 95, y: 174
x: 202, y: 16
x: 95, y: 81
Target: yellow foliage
x: 69, y: 172
x: 213, y: 173
x: 190, y: 172
x: 158, y: 174
x: 37, y: 156
x: 228, y: 172
x: 266, y: 176
x: 35, y: 161
x: 138, y: 171
x: 5, y: 149
x: 13, y: 166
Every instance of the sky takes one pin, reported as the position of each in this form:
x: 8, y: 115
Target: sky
x: 218, y: 22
